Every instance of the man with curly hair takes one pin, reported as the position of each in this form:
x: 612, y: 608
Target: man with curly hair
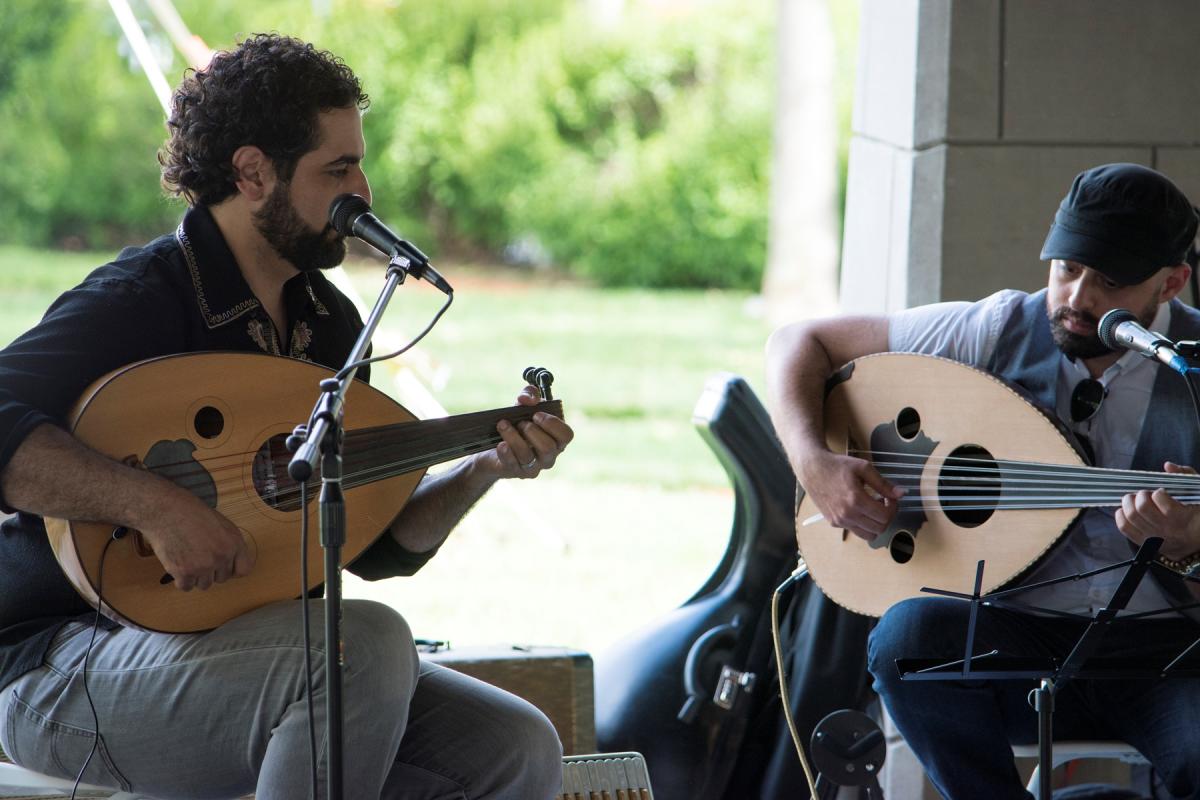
x: 261, y: 141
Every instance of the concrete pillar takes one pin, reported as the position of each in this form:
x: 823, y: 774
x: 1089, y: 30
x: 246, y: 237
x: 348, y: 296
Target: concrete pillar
x: 972, y: 117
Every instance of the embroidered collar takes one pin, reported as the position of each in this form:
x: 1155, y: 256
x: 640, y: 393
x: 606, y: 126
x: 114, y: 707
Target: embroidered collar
x: 221, y: 292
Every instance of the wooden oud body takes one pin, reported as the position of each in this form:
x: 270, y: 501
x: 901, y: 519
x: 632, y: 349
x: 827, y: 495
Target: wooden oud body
x: 215, y: 423
x: 929, y: 409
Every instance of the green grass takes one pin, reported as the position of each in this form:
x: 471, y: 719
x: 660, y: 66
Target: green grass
x: 628, y: 364
x: 31, y: 279
x: 637, y: 513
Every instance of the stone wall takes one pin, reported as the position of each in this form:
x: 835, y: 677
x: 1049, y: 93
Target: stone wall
x: 972, y: 117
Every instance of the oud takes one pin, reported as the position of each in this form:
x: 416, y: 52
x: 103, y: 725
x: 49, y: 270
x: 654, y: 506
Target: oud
x: 216, y: 424
x: 988, y: 476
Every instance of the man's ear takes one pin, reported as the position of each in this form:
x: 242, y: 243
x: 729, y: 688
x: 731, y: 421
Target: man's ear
x: 254, y: 175
x: 1177, y: 280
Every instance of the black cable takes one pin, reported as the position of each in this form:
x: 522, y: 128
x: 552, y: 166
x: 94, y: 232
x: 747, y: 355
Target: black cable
x: 1190, y: 379
x: 308, y: 686
x: 344, y: 371
x: 116, y: 534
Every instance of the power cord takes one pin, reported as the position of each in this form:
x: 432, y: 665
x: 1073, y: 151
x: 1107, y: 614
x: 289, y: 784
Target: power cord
x: 117, y: 533
x: 346, y: 370
x: 800, y: 572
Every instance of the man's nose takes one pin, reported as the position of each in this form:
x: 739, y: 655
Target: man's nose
x: 1083, y: 295
x: 364, y: 188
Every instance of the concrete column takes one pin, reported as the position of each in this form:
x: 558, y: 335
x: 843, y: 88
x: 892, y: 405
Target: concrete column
x: 973, y: 116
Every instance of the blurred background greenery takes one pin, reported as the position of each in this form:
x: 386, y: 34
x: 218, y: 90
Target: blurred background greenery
x: 634, y: 153
x: 596, y: 186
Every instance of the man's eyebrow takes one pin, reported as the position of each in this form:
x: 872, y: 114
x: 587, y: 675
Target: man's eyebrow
x: 347, y: 159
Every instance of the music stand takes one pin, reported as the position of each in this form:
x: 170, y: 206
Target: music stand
x: 1050, y: 673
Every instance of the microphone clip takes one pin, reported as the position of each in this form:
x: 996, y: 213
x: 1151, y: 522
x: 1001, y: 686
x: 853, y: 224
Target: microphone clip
x: 400, y: 264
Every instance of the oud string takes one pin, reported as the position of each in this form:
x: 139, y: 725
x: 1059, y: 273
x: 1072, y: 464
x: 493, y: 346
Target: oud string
x: 1008, y: 470
x: 246, y: 504
x: 918, y: 459
x: 474, y: 423
x: 1004, y: 484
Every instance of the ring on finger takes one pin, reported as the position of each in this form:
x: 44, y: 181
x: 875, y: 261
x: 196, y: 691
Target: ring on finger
x: 532, y: 461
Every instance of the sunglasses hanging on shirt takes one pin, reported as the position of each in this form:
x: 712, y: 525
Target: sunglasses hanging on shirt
x: 1086, y: 399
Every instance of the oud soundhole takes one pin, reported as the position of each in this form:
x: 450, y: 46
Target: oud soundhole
x: 969, y: 486
x: 902, y: 546
x: 908, y: 423
x: 209, y: 422
x: 270, y: 474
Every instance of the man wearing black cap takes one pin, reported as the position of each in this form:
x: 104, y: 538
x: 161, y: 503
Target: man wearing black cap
x: 1119, y: 240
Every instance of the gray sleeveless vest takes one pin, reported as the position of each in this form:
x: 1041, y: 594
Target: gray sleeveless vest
x: 1026, y: 355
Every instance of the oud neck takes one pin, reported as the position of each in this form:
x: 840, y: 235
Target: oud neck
x: 388, y: 450
x: 1184, y: 487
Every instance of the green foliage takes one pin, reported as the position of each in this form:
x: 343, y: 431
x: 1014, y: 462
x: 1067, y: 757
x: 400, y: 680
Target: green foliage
x: 638, y: 155
x: 26, y: 31
x: 634, y: 155
x: 81, y: 131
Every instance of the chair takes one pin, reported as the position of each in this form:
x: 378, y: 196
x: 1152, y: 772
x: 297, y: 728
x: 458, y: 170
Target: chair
x: 1072, y: 750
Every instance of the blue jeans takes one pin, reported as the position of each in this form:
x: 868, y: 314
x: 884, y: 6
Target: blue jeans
x: 962, y: 731
x: 223, y: 714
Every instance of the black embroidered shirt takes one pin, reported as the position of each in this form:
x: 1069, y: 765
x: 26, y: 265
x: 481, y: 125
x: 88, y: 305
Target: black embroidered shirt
x: 180, y: 293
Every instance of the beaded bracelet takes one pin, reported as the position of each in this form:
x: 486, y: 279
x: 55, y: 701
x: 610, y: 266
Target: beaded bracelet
x: 1184, y: 566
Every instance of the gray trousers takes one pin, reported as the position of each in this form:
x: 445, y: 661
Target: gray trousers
x: 223, y: 714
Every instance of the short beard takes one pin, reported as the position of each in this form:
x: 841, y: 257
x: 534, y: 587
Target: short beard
x: 292, y: 238
x: 1075, y: 345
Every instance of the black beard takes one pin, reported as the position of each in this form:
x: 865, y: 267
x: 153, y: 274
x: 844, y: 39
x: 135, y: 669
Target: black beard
x: 292, y: 238
x: 1074, y: 345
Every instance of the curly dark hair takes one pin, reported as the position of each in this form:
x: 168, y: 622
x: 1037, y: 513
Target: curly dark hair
x: 266, y: 92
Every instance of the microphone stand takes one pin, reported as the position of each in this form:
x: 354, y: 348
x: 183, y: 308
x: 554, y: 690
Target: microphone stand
x: 322, y: 437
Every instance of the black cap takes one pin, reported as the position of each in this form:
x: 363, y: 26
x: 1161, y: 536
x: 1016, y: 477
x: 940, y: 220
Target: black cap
x: 1124, y: 220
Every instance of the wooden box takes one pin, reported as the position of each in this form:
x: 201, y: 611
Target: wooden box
x: 555, y: 679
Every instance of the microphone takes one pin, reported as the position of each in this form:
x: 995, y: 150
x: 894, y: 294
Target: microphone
x: 350, y: 215
x: 1120, y: 329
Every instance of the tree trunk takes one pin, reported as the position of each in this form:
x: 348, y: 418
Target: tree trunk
x: 801, y: 278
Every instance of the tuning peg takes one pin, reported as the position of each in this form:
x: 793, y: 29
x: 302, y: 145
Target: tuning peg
x: 298, y: 436
x: 541, y: 378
